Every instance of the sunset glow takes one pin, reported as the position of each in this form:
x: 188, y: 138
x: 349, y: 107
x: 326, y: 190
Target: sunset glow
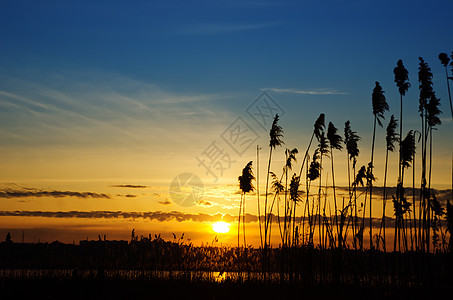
x: 221, y: 227
x: 112, y: 128
x: 226, y: 149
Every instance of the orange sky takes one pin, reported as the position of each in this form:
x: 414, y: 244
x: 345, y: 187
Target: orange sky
x: 71, y: 211
x: 97, y: 97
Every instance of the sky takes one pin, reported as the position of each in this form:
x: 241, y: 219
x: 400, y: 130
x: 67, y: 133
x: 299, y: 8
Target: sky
x: 103, y: 104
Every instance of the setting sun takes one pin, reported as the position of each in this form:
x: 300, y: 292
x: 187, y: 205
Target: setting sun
x: 221, y: 227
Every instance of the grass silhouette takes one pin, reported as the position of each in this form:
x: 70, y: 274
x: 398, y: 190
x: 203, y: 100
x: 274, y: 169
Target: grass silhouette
x: 156, y: 267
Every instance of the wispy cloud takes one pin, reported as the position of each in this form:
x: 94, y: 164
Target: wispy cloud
x: 131, y: 186
x: 154, y: 215
x: 165, y: 202
x: 306, y: 92
x: 214, y: 29
x: 10, y: 193
x: 102, y: 110
x: 204, y: 203
x: 255, y: 4
x: 159, y: 216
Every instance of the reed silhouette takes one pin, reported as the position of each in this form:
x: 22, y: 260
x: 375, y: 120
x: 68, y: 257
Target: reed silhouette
x: 323, y: 150
x: 380, y: 105
x: 335, y: 141
x: 390, y: 139
x: 402, y: 82
x: 331, y: 229
x: 246, y: 186
x: 351, y: 139
x: 288, y: 205
x: 400, y: 203
x: 155, y: 260
x: 444, y: 60
x: 275, y: 139
x: 449, y: 217
x: 317, y: 128
x: 318, y: 248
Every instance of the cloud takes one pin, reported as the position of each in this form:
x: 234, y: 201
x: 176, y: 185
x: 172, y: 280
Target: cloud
x: 114, y: 110
x: 165, y: 202
x: 204, y: 203
x: 214, y: 29
x: 126, y: 195
x: 378, y: 193
x: 10, y: 193
x: 159, y: 216
x: 306, y: 92
x: 130, y: 186
x: 153, y: 215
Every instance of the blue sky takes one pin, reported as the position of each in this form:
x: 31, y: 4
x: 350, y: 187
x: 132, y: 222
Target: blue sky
x: 207, y: 46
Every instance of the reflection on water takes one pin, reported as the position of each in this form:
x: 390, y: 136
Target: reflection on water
x: 376, y: 279
x: 135, y: 275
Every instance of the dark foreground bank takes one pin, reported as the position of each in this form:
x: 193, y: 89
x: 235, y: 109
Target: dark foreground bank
x: 180, y: 289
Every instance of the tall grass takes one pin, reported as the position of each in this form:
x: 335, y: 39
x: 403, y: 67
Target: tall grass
x: 413, y: 221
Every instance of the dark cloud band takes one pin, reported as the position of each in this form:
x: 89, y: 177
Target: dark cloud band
x: 155, y: 215
x: 131, y: 186
x: 159, y: 216
x: 9, y: 193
